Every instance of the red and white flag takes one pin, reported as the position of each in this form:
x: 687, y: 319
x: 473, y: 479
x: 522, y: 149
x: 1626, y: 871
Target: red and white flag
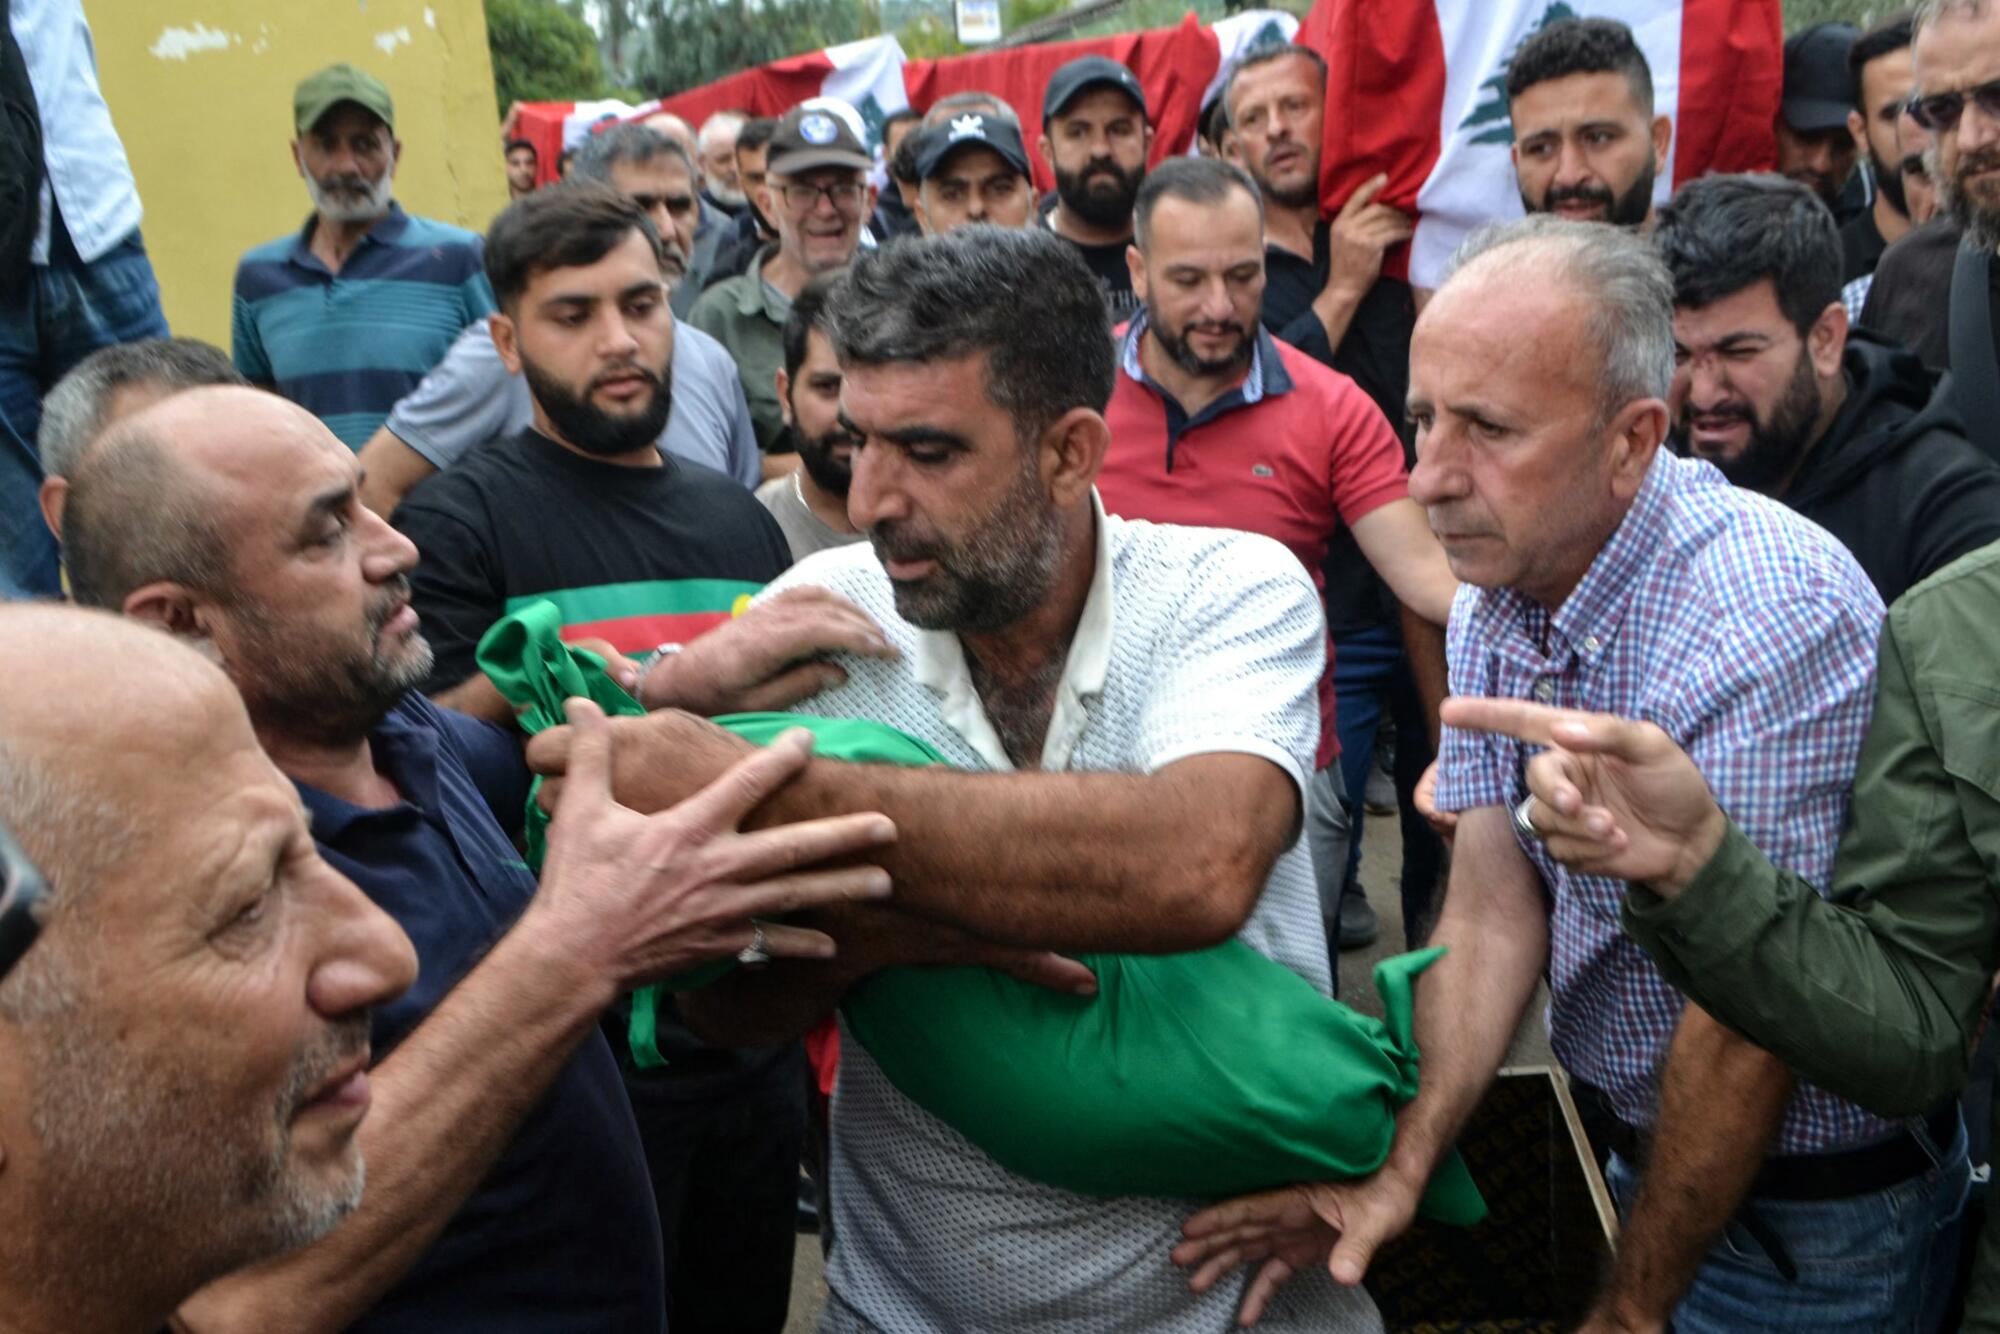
x: 1417, y: 89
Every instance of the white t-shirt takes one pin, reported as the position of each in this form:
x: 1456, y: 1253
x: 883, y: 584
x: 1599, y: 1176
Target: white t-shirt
x: 1192, y: 641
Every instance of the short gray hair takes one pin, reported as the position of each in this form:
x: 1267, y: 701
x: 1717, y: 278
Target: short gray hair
x: 1930, y: 11
x: 135, y: 517
x: 1619, y: 275
x: 75, y: 411
x: 74, y: 837
x: 719, y: 124
x: 627, y: 143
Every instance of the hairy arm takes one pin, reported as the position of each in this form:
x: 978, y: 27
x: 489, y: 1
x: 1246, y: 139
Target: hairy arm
x: 1196, y: 839
x: 389, y: 469
x: 1721, y: 1101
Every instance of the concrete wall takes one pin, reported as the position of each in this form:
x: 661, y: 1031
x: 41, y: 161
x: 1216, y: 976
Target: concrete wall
x: 201, y: 91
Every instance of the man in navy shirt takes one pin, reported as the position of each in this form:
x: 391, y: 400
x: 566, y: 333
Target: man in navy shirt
x: 507, y: 1186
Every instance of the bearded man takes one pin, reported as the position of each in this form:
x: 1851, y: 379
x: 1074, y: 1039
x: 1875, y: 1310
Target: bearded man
x: 1772, y: 386
x: 351, y: 313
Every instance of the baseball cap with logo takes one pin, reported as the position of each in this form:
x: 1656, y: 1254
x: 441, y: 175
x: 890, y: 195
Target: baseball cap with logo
x: 1084, y: 73
x: 808, y: 137
x: 939, y: 142
x: 321, y: 92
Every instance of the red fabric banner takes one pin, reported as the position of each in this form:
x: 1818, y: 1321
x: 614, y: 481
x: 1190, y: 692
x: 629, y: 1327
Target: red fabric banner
x: 1732, y: 73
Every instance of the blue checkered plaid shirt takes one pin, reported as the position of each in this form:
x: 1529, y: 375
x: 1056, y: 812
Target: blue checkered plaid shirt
x: 1748, y: 634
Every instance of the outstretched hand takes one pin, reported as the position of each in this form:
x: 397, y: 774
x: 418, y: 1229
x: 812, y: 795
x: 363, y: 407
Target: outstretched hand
x: 1338, y: 1224
x: 1611, y: 796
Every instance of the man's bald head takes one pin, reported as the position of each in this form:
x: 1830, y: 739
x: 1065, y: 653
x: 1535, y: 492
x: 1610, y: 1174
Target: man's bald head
x: 152, y: 501
x: 682, y: 133
x: 74, y: 764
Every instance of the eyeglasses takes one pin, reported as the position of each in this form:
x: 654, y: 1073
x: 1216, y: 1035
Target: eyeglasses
x: 804, y: 197
x: 1938, y: 112
x: 22, y: 893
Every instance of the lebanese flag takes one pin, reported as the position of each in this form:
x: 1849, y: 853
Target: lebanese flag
x: 1417, y: 89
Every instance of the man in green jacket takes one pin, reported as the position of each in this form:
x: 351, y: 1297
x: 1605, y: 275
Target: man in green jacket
x: 1876, y: 993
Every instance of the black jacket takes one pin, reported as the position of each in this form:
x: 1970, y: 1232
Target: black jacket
x: 1893, y: 477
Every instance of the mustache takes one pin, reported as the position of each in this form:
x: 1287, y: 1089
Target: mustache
x: 1973, y: 161
x: 355, y: 185
x: 1213, y: 327
x: 621, y: 371
x: 891, y: 543
x: 394, y: 594
x: 347, y: 1038
x: 1579, y: 194
x: 1739, y: 411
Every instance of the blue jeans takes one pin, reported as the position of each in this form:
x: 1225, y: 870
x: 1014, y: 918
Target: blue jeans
x: 60, y: 315
x: 1868, y: 1263
x: 1371, y: 677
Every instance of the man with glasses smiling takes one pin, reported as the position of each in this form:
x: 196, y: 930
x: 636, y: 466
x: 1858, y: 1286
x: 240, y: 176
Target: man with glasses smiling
x: 816, y: 194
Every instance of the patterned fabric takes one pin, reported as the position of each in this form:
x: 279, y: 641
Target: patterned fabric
x: 1748, y: 634
x: 1192, y: 641
x: 346, y: 346
x: 1855, y: 295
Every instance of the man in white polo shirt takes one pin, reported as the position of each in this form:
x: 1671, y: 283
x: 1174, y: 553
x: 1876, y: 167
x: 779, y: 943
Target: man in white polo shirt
x: 1130, y: 714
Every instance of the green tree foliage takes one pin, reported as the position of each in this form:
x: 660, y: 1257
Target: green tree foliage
x: 698, y: 41
x: 542, y: 53
x: 1804, y: 13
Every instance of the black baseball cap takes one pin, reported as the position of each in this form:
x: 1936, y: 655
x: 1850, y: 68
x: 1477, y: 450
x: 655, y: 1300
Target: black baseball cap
x: 1819, y: 88
x: 975, y: 128
x: 1087, y: 72
x: 807, y: 137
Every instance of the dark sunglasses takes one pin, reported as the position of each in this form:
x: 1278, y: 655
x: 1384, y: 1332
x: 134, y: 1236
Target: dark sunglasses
x: 1938, y: 112
x: 22, y: 891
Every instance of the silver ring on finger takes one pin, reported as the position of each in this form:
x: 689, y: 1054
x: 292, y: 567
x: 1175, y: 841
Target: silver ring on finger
x: 1524, y: 820
x: 754, y: 954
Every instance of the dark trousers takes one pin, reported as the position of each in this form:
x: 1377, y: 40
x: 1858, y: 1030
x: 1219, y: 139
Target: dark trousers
x: 1371, y: 678
x: 726, y: 1177
x: 62, y: 313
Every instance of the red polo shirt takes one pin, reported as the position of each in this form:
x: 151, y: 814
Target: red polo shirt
x: 1292, y: 452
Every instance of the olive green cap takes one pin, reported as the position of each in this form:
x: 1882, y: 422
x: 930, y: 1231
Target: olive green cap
x: 321, y: 92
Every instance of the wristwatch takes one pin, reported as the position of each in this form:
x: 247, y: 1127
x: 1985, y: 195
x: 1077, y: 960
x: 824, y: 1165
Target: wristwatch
x: 648, y: 663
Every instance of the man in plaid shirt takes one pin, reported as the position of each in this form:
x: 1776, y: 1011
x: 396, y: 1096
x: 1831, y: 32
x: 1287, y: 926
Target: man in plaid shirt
x: 1604, y: 574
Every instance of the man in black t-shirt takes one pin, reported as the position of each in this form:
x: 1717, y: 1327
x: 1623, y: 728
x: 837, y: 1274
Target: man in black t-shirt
x: 1325, y: 293
x: 644, y: 551
x: 1095, y: 138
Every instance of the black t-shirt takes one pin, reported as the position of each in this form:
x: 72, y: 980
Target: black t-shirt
x: 639, y: 555
x: 1375, y: 354
x: 1107, y: 264
x: 561, y: 1234
x: 1861, y: 246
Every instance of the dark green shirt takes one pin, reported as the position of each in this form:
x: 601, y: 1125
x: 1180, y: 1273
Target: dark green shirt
x: 1875, y: 995
x: 746, y: 316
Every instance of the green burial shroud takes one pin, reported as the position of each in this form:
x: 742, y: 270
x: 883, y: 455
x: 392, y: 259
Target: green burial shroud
x: 1211, y: 1073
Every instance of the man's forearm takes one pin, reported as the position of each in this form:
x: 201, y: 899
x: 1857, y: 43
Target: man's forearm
x: 446, y: 1102
x: 1423, y: 647
x: 1470, y: 1003
x: 1335, y: 309
x: 477, y: 697
x: 1721, y: 1101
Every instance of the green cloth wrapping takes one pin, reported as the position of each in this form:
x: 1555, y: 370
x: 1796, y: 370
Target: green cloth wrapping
x: 1210, y: 1073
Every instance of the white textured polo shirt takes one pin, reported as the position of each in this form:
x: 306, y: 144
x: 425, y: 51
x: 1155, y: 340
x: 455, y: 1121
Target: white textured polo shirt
x: 1192, y: 641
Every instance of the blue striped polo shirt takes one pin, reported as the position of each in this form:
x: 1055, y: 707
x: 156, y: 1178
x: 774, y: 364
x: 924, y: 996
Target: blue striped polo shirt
x: 345, y: 346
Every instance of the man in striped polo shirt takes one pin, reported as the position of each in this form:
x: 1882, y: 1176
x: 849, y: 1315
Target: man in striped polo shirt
x: 350, y: 314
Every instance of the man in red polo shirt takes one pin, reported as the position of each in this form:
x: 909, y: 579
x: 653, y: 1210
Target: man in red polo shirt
x: 1216, y: 423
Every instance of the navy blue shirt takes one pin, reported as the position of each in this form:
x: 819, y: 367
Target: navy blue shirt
x: 562, y: 1235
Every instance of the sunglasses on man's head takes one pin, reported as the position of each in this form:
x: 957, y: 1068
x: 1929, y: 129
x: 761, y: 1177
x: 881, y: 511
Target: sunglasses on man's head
x: 1938, y: 112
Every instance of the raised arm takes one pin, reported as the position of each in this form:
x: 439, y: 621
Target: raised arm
x: 623, y: 899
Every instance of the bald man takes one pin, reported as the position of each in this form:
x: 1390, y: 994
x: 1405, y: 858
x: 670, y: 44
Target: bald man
x: 510, y: 1188
x: 184, y: 1050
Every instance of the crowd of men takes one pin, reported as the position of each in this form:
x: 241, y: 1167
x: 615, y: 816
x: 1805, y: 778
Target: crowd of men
x: 1155, y: 507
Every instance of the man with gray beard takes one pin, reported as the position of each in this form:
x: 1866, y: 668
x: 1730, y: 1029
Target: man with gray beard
x: 351, y: 313
x: 1957, y: 99
x: 509, y: 1189
x: 184, y: 1046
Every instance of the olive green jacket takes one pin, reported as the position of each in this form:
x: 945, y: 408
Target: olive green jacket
x: 739, y: 313
x: 1876, y: 999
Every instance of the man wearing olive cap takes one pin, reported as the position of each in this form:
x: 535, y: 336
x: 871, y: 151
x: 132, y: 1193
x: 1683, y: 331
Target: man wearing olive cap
x: 348, y: 315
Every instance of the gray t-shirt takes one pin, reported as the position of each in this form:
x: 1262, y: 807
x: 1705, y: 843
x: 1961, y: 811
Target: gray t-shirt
x: 805, y: 531
x: 469, y: 398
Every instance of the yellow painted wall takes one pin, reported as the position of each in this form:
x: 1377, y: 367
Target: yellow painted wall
x: 201, y: 92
